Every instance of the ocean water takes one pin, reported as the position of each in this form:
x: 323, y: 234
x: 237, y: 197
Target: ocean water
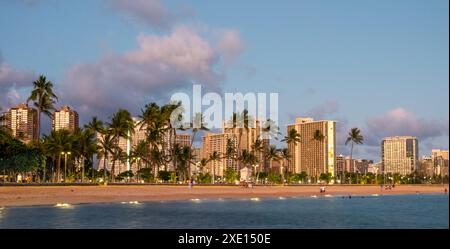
x: 412, y: 211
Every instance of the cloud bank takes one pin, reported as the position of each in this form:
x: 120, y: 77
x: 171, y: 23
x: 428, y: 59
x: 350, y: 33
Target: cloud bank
x: 150, y: 12
x: 12, y: 81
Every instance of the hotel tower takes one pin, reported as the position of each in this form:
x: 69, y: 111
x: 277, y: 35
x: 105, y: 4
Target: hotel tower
x: 314, y: 156
x: 65, y: 119
x: 400, y: 154
x: 22, y: 121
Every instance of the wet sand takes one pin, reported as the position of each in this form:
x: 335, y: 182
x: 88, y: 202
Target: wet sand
x: 51, y: 195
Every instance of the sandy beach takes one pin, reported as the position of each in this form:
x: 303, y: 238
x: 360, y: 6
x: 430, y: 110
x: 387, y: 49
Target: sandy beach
x: 50, y: 195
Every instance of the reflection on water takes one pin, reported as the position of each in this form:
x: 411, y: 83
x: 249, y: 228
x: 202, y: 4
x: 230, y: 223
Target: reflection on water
x: 319, y: 212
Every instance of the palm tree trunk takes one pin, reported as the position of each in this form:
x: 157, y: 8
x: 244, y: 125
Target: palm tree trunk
x: 82, y: 169
x: 43, y: 173
x: 190, y: 154
x: 113, y: 166
x: 104, y: 166
x: 58, y: 168
x: 214, y: 173
x: 351, y: 159
x: 38, y: 123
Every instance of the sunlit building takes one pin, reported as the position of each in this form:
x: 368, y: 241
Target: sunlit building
x: 65, y: 119
x: 314, y: 156
x: 426, y: 166
x: 246, y: 138
x: 22, y: 121
x: 183, y: 140
x: 400, y: 154
x: 440, y: 161
x: 218, y: 143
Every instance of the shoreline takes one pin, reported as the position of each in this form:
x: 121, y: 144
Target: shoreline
x: 19, y: 196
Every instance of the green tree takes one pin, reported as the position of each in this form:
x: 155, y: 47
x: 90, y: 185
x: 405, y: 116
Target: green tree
x: 105, y: 148
x: 325, y: 177
x: 43, y: 99
x: 121, y: 126
x: 84, y: 147
x: 197, y: 125
x: 354, y: 137
x: 292, y: 138
x: 145, y: 174
x: 214, y: 157
x: 231, y: 175
x: 241, y: 122
x: 164, y: 175
x: 55, y: 143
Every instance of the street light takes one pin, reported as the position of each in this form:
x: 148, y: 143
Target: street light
x: 65, y: 153
x: 256, y: 166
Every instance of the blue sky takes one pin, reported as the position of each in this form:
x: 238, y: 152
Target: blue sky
x: 378, y: 65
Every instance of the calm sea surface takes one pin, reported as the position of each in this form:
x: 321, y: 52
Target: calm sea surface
x: 413, y: 211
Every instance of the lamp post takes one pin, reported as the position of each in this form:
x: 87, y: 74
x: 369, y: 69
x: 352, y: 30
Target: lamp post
x: 256, y: 174
x: 65, y: 153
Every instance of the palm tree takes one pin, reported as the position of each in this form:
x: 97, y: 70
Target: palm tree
x: 157, y: 159
x: 97, y: 127
x: 105, y: 147
x: 354, y: 137
x: 197, y: 125
x: 318, y: 136
x: 272, y: 154
x: 241, y: 122
x: 121, y: 126
x: 248, y: 158
x: 44, y: 99
x: 203, y: 163
x: 140, y: 153
x: 156, y: 121
x: 214, y: 157
x: 176, y: 152
x: 84, y: 147
x: 292, y: 138
x: 285, y: 156
x: 56, y: 143
x: 260, y: 147
x: 184, y: 159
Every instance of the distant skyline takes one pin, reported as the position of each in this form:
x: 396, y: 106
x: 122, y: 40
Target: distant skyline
x: 381, y: 66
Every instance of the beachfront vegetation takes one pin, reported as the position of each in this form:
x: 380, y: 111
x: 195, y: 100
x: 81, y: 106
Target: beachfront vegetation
x: 70, y: 156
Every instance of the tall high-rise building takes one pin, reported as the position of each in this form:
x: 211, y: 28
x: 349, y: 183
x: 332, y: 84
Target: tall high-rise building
x: 426, y: 166
x: 65, y: 119
x: 314, y: 156
x: 245, y: 139
x: 440, y: 161
x: 218, y: 143
x: 22, y: 121
x: 400, y: 154
x: 183, y: 140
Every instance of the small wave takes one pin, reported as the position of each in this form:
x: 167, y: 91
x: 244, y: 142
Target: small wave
x: 63, y: 205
